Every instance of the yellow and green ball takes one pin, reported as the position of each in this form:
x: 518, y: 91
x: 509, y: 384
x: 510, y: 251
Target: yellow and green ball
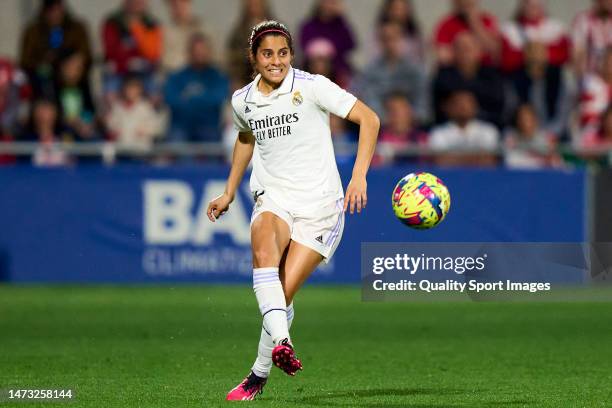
x: 420, y: 200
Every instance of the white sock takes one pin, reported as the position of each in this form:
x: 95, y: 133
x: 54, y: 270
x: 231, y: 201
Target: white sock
x: 290, y: 313
x: 271, y: 298
x: 263, y: 362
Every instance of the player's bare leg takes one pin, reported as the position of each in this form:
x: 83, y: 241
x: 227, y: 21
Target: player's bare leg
x: 299, y: 264
x: 270, y: 237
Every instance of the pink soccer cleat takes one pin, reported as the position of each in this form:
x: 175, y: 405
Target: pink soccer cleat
x: 248, y: 389
x: 284, y: 358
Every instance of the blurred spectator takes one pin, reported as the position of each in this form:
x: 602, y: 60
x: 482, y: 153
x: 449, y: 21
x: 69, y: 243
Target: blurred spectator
x: 467, y: 16
x: 43, y: 122
x: 132, y: 121
x: 343, y: 140
x: 45, y: 127
x: 238, y: 64
x: 402, y: 12
x: 53, y: 31
x: 132, y: 40
x: 464, y: 132
x: 329, y: 22
x: 591, y: 36
x: 532, y: 25
x: 340, y: 131
x: 468, y: 73
x: 72, y: 94
x: 528, y: 145
x: 392, y: 72
x: 183, y: 24
x: 595, y: 95
x: 196, y: 94
x: 319, y: 59
x: 399, y: 131
x: 544, y: 87
x: 602, y: 136
x: 14, y: 90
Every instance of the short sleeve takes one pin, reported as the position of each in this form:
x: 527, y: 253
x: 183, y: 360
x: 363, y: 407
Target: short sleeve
x: 330, y: 97
x: 239, y: 123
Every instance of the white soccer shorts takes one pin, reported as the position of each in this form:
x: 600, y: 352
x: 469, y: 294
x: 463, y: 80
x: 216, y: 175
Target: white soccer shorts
x: 320, y: 231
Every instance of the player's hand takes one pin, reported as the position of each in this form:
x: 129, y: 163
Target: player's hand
x: 356, y: 195
x: 218, y: 206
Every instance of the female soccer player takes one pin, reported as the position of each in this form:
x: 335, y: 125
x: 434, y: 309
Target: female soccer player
x: 282, y: 118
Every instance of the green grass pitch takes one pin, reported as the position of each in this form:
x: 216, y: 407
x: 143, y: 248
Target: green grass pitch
x: 186, y: 346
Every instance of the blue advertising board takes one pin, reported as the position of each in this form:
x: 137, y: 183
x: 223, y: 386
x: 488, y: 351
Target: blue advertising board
x: 132, y: 223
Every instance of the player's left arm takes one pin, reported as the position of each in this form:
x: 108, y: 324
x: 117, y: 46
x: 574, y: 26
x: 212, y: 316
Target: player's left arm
x: 369, y: 124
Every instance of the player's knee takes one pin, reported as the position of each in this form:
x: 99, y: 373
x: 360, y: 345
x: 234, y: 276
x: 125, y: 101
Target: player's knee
x: 265, y: 257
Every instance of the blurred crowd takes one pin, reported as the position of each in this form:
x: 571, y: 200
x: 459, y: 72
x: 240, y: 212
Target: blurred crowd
x: 523, y: 87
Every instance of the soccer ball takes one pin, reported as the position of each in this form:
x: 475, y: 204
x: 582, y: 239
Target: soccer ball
x: 420, y: 200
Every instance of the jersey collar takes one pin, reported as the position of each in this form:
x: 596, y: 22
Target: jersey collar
x: 254, y: 96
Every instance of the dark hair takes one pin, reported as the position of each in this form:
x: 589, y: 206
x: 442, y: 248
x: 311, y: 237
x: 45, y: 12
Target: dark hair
x: 45, y: 5
x: 132, y: 79
x: 459, y: 91
x: 29, y: 131
x: 396, y: 95
x: 409, y: 26
x: 265, y: 28
x: 63, y: 57
x: 197, y: 37
x: 517, y: 112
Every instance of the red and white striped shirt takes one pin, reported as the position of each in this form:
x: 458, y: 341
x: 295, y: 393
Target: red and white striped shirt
x: 548, y: 31
x: 595, y: 97
x: 592, y: 34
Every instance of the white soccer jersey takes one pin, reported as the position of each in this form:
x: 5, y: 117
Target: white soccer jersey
x: 294, y: 159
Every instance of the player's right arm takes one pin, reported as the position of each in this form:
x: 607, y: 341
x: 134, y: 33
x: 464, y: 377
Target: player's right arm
x: 243, y: 152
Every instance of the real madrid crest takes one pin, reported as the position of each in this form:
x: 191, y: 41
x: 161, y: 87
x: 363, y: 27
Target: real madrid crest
x: 297, y: 98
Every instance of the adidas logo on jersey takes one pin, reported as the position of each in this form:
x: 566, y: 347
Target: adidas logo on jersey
x: 319, y: 239
x: 247, y: 110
